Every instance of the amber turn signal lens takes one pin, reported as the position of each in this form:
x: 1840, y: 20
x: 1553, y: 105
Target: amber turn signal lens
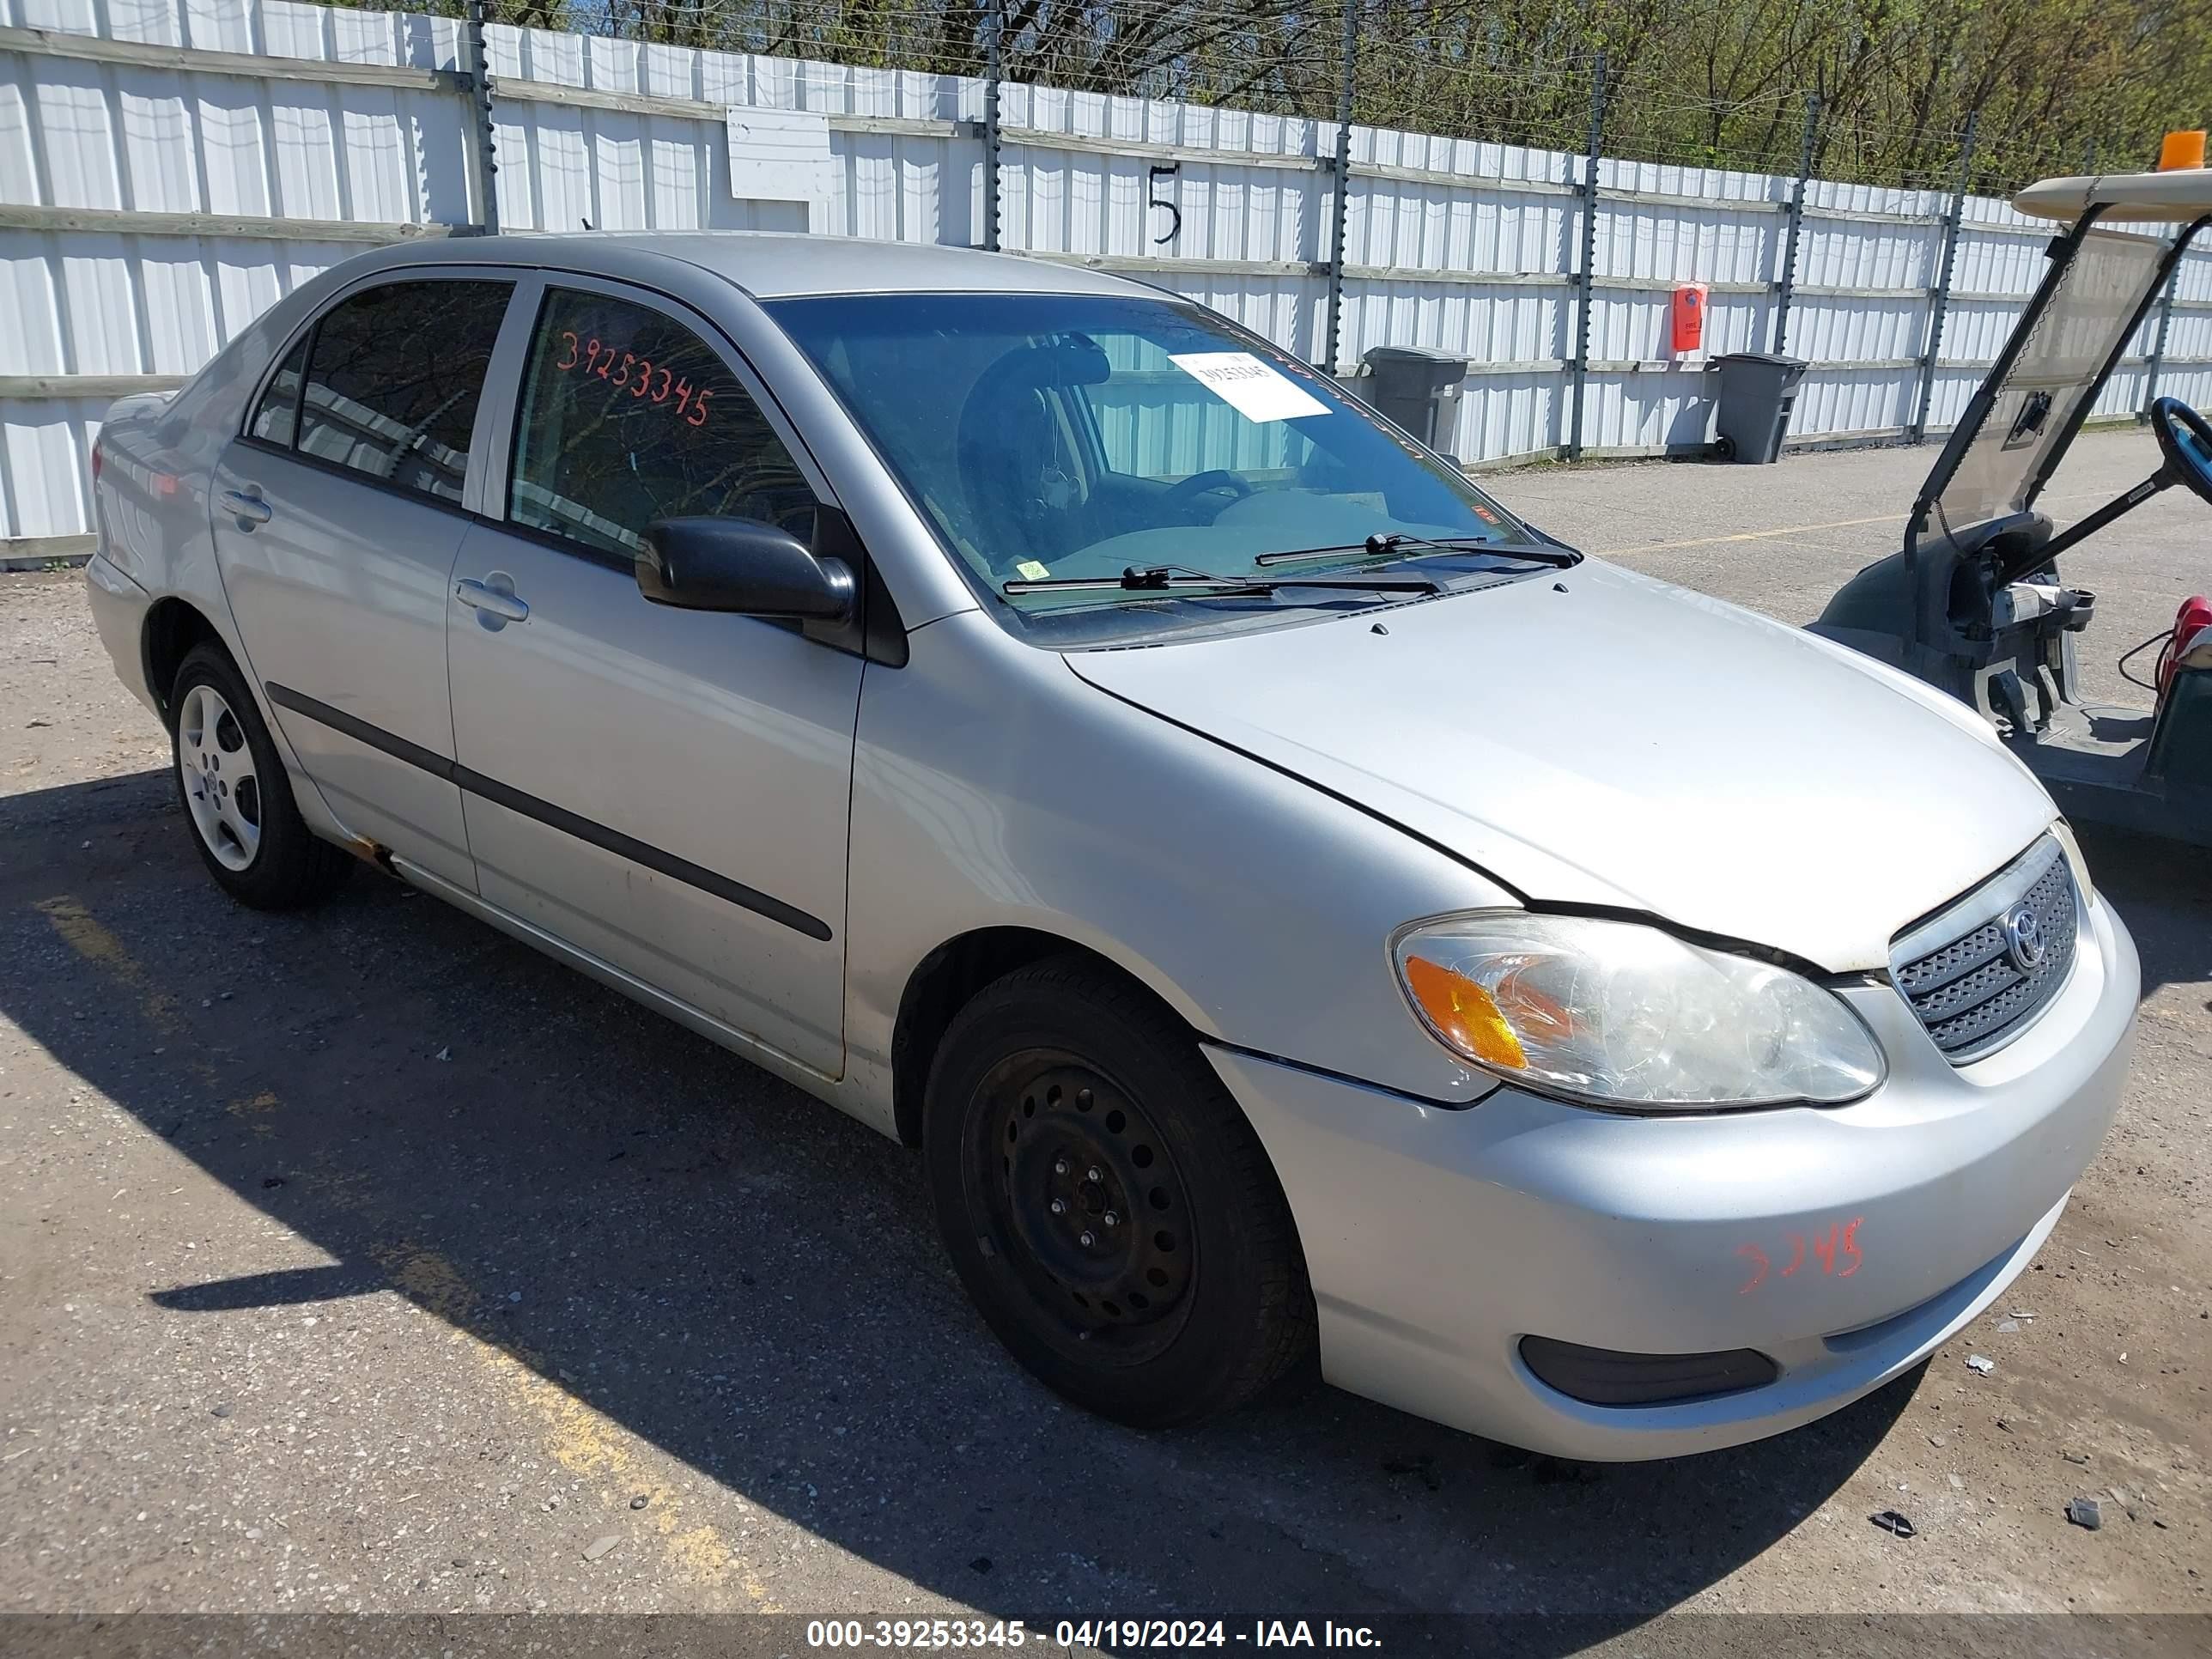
x: 2180, y: 150
x: 1465, y: 1015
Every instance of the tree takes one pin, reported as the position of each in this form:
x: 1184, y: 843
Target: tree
x: 2057, y: 85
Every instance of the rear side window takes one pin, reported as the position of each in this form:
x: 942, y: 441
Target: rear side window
x: 275, y: 417
x: 628, y: 416
x: 393, y: 377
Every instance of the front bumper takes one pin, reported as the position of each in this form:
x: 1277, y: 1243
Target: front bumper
x: 1846, y: 1243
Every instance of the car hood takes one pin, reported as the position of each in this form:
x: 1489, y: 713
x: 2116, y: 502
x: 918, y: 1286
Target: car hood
x: 1605, y: 739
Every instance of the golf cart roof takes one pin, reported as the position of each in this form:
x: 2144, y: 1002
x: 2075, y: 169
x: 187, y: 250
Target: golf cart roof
x: 2171, y: 197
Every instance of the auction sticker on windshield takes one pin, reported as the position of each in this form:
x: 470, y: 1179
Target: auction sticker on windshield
x: 1248, y: 385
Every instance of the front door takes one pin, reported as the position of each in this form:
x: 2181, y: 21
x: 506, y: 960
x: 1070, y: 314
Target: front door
x: 337, y: 516
x: 666, y: 789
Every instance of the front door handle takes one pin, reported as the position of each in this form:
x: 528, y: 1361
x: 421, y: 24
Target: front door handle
x: 246, y: 506
x: 492, y: 598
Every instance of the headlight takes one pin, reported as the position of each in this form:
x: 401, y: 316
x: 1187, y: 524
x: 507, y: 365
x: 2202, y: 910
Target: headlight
x: 1616, y: 1014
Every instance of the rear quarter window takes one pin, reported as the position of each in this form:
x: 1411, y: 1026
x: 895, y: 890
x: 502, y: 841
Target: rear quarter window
x: 276, y: 416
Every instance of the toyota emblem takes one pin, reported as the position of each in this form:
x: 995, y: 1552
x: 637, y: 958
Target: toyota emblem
x: 2024, y: 937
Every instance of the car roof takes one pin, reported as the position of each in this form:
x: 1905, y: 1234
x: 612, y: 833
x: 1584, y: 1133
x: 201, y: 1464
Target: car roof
x: 780, y: 264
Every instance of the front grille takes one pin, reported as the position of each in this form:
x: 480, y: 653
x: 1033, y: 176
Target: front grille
x: 1972, y: 974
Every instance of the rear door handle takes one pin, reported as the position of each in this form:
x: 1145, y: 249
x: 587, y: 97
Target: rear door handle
x: 494, y: 597
x: 246, y: 506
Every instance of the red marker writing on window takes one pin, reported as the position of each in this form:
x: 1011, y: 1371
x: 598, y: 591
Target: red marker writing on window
x: 626, y: 370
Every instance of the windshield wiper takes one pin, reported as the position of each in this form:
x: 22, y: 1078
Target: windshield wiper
x: 1382, y: 546
x: 1165, y: 578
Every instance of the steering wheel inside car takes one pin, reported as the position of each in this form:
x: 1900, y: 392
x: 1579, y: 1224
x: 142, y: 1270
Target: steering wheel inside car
x: 1183, y: 497
x: 2184, y: 437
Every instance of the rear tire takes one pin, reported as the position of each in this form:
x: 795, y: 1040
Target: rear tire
x: 1168, y: 1285
x: 236, y: 795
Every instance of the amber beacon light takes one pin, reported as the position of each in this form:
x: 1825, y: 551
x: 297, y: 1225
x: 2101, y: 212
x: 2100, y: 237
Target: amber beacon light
x: 2178, y: 150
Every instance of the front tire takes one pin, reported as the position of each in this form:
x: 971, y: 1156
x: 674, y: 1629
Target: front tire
x: 236, y: 796
x: 1106, y: 1203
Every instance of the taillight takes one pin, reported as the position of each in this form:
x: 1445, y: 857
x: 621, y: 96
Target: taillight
x: 98, y: 455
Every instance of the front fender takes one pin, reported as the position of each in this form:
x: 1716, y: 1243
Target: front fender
x: 993, y: 788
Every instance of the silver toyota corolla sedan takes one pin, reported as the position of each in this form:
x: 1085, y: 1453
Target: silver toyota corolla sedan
x: 1299, y: 910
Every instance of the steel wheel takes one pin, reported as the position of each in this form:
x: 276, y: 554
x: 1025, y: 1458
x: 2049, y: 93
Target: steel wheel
x: 215, y: 765
x: 1106, y: 1203
x: 1088, y: 1206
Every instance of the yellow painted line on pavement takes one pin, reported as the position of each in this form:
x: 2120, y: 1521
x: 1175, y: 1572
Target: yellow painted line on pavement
x: 586, y: 1441
x: 1753, y: 535
x: 580, y: 1439
x: 90, y: 939
x: 85, y: 935
x: 253, y: 1111
x: 1786, y: 531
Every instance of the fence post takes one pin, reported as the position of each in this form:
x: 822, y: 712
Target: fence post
x: 2158, y: 343
x: 484, y: 160
x: 1332, y: 349
x: 994, y: 25
x: 1788, y: 282
x: 1939, y: 297
x: 1578, y: 365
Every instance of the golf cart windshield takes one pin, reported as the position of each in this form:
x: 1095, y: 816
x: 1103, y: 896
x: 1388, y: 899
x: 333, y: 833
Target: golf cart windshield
x: 2039, y: 398
x: 2065, y: 348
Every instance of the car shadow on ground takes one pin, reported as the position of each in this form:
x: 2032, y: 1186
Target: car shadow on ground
x: 2164, y: 891
x: 750, y: 1282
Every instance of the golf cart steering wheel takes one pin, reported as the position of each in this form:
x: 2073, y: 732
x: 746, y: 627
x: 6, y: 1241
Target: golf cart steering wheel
x: 2186, y: 439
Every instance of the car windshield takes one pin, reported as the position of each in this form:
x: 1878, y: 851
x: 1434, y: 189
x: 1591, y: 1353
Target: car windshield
x: 1055, y: 437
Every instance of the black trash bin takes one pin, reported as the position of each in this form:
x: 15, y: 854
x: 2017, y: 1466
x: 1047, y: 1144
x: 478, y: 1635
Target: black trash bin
x: 1757, y: 392
x: 1416, y: 386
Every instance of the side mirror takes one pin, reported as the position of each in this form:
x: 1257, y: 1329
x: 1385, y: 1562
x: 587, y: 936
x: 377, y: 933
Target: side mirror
x: 741, y: 565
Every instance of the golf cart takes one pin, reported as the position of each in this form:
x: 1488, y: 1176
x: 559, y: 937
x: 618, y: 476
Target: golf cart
x: 1974, y: 604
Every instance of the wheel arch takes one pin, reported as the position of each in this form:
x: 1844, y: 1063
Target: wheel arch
x: 172, y: 627
x: 944, y: 981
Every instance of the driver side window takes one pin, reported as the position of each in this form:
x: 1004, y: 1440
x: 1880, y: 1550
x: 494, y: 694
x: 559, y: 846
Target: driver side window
x: 627, y: 417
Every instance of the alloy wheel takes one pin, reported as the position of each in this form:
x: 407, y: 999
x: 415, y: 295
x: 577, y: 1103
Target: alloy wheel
x: 216, y: 766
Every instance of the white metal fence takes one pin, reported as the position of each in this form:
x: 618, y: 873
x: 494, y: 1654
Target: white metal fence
x: 170, y: 167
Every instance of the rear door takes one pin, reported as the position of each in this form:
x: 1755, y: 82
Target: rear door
x: 337, y: 516
x: 667, y: 789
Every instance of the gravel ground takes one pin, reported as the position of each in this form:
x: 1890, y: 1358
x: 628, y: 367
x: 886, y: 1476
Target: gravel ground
x: 365, y: 1260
